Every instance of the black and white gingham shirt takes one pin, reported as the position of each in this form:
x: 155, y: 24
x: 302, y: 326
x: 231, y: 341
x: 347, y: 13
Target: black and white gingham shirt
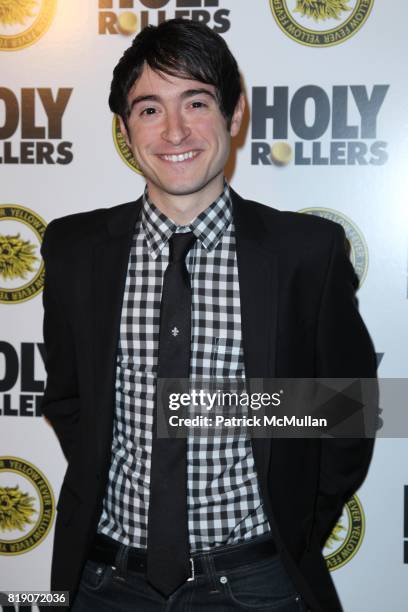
x: 224, y: 504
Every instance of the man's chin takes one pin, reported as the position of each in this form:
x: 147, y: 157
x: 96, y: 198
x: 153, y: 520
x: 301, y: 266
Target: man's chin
x: 180, y: 189
x: 187, y: 188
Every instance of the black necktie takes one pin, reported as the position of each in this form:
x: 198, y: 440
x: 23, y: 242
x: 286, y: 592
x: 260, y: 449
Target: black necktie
x: 167, y: 540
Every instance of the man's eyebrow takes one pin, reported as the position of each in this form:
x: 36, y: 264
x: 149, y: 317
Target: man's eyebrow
x: 147, y: 98
x: 188, y: 93
x: 197, y: 92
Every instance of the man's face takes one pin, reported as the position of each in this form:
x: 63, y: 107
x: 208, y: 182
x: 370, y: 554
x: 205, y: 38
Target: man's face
x: 178, y: 135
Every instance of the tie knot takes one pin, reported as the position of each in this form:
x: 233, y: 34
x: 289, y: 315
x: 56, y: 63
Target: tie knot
x: 179, y: 246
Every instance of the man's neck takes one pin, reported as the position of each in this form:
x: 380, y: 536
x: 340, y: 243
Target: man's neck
x: 182, y: 209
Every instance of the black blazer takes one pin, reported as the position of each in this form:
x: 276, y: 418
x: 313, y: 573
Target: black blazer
x: 299, y: 319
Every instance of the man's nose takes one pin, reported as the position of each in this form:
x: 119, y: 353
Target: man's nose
x: 175, y: 128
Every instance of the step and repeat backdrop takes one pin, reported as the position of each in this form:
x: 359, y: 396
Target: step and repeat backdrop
x: 327, y: 88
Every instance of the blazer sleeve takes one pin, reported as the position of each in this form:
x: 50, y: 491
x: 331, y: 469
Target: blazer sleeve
x: 60, y: 403
x: 344, y: 350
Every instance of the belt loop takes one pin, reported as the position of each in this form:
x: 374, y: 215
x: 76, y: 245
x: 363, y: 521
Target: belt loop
x: 121, y: 561
x: 208, y: 563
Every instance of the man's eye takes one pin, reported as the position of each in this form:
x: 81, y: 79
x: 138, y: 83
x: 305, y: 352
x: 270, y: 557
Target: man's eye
x: 198, y: 104
x: 148, y: 111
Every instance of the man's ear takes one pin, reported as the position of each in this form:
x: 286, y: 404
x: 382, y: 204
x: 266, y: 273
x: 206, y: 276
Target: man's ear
x: 237, y: 116
x: 123, y: 130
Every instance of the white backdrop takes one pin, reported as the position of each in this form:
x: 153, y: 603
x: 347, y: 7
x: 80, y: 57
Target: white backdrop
x: 58, y: 156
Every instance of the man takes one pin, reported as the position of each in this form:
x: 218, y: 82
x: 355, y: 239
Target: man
x: 189, y: 281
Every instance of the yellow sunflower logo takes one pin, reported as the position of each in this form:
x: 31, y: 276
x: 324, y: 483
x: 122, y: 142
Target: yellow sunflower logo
x: 26, y: 506
x: 13, y: 12
x: 320, y: 10
x: 21, y: 265
x: 16, y: 509
x: 17, y: 257
x: 336, y: 536
x: 320, y: 23
x: 347, y: 535
x: 23, y: 22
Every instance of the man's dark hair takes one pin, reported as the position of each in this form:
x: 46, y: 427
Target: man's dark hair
x: 179, y: 48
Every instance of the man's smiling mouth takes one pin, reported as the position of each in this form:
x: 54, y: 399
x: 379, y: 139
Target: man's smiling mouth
x: 180, y: 157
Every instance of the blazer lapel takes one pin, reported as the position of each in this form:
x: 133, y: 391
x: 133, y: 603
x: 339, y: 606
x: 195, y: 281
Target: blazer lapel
x: 110, y: 262
x: 258, y: 279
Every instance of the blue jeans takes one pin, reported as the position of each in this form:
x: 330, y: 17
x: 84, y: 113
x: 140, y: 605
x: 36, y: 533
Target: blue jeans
x: 262, y: 586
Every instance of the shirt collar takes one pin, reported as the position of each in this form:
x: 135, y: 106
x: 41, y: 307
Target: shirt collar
x: 208, y: 227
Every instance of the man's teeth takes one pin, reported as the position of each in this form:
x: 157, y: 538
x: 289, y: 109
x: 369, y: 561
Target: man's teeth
x: 179, y: 158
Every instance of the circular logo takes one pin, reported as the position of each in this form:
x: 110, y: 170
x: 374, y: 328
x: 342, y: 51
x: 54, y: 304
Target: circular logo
x: 320, y: 23
x: 23, y: 22
x: 281, y: 153
x: 346, y: 537
x: 26, y: 506
x: 122, y: 147
x: 357, y: 245
x: 21, y: 266
x: 127, y: 23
